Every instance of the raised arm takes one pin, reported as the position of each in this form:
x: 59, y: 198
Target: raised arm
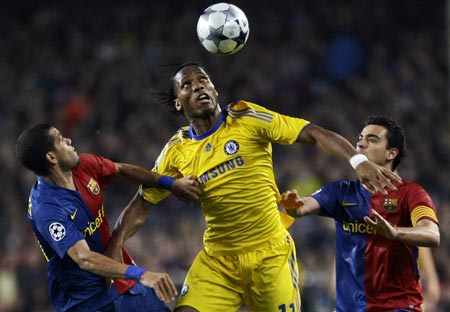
x: 297, y: 206
x: 186, y: 188
x: 375, y: 178
x: 101, y: 265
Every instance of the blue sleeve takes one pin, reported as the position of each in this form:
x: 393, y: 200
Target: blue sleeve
x: 57, y: 228
x: 343, y: 200
x: 328, y: 199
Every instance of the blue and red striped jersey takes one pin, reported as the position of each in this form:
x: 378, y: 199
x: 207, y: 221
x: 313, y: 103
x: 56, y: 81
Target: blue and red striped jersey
x: 374, y: 273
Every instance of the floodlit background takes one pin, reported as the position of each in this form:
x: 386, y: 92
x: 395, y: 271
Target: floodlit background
x: 88, y: 68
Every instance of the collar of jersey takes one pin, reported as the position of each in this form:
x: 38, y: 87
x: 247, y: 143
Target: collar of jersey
x: 49, y: 185
x: 210, y: 131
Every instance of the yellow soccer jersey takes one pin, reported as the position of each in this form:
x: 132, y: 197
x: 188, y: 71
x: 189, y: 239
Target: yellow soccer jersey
x: 233, y: 162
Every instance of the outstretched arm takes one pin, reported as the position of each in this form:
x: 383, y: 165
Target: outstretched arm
x: 186, y: 188
x: 375, y: 178
x: 297, y: 206
x: 128, y: 223
x: 101, y: 265
x: 425, y: 233
x: 429, y: 279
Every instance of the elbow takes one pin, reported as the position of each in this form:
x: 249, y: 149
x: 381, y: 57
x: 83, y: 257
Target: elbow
x: 436, y: 241
x: 84, y: 261
x: 84, y: 264
x: 436, y: 238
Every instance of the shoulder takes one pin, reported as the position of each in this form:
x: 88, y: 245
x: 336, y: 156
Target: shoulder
x: 87, y: 165
x: 408, y: 187
x: 178, y: 137
x: 346, y: 185
x: 86, y: 156
x: 249, y: 114
x: 97, y: 167
x: 174, y: 145
x: 93, y: 161
x: 49, y: 203
x: 87, y: 160
x: 340, y: 188
x: 414, y: 192
x: 244, y: 108
x: 410, y: 184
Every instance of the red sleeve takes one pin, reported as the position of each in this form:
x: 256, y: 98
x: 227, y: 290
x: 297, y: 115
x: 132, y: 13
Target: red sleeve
x: 103, y: 169
x: 420, y: 204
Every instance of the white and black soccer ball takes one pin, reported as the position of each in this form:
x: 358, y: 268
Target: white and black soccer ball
x: 223, y: 28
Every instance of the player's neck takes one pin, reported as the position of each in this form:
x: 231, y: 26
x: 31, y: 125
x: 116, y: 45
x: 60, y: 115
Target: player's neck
x: 62, y: 179
x: 202, y: 125
x: 389, y: 167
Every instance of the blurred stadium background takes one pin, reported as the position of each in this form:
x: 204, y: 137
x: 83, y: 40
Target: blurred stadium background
x: 88, y: 67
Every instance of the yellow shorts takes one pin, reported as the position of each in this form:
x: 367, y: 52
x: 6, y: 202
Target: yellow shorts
x: 265, y: 279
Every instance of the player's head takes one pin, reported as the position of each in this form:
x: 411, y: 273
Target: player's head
x: 41, y: 146
x: 382, y: 140
x: 190, y: 91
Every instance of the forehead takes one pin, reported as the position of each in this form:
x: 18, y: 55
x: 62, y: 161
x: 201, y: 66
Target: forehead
x: 374, y: 130
x: 188, y: 72
x: 54, y: 132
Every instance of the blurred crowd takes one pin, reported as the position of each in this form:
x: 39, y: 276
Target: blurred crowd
x: 89, y: 68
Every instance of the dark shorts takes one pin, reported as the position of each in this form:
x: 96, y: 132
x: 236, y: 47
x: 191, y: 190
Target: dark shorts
x: 137, y: 299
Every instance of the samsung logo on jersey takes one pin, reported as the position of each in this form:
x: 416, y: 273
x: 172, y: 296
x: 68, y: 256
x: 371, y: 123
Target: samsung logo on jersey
x: 94, y: 225
x: 358, y: 227
x: 221, y: 169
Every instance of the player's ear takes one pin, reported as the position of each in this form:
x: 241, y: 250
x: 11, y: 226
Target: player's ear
x: 177, y: 104
x: 216, y: 93
x: 392, y: 153
x: 51, y: 157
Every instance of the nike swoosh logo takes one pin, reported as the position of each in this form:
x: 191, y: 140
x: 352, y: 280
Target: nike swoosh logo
x: 72, y: 216
x: 346, y: 204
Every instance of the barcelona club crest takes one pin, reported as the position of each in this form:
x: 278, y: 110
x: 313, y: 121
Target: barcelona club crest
x: 93, y: 187
x: 231, y: 147
x: 390, y: 204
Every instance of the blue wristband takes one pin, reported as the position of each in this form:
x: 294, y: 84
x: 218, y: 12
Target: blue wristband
x: 134, y: 273
x: 165, y: 182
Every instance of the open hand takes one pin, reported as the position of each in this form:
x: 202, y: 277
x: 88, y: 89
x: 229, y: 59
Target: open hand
x: 376, y: 178
x: 381, y: 225
x: 161, y: 283
x: 291, y: 200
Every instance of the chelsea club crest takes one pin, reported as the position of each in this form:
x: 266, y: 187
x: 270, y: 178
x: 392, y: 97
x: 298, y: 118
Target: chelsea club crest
x: 231, y: 147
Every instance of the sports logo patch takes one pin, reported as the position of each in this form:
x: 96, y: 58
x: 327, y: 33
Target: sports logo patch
x: 208, y: 147
x: 57, y: 231
x: 93, y: 186
x: 390, y: 204
x: 184, y: 290
x: 231, y: 147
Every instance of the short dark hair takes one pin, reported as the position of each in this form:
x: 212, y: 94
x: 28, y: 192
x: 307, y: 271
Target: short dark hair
x: 32, y: 146
x: 166, y: 98
x: 395, y: 135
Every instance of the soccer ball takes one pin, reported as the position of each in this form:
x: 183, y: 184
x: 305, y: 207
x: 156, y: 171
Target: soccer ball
x: 223, y: 28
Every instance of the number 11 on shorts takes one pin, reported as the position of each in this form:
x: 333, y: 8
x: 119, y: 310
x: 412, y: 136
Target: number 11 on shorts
x: 282, y: 308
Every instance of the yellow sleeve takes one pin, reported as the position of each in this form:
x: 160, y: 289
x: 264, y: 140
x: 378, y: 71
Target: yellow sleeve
x: 163, y: 166
x: 272, y: 126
